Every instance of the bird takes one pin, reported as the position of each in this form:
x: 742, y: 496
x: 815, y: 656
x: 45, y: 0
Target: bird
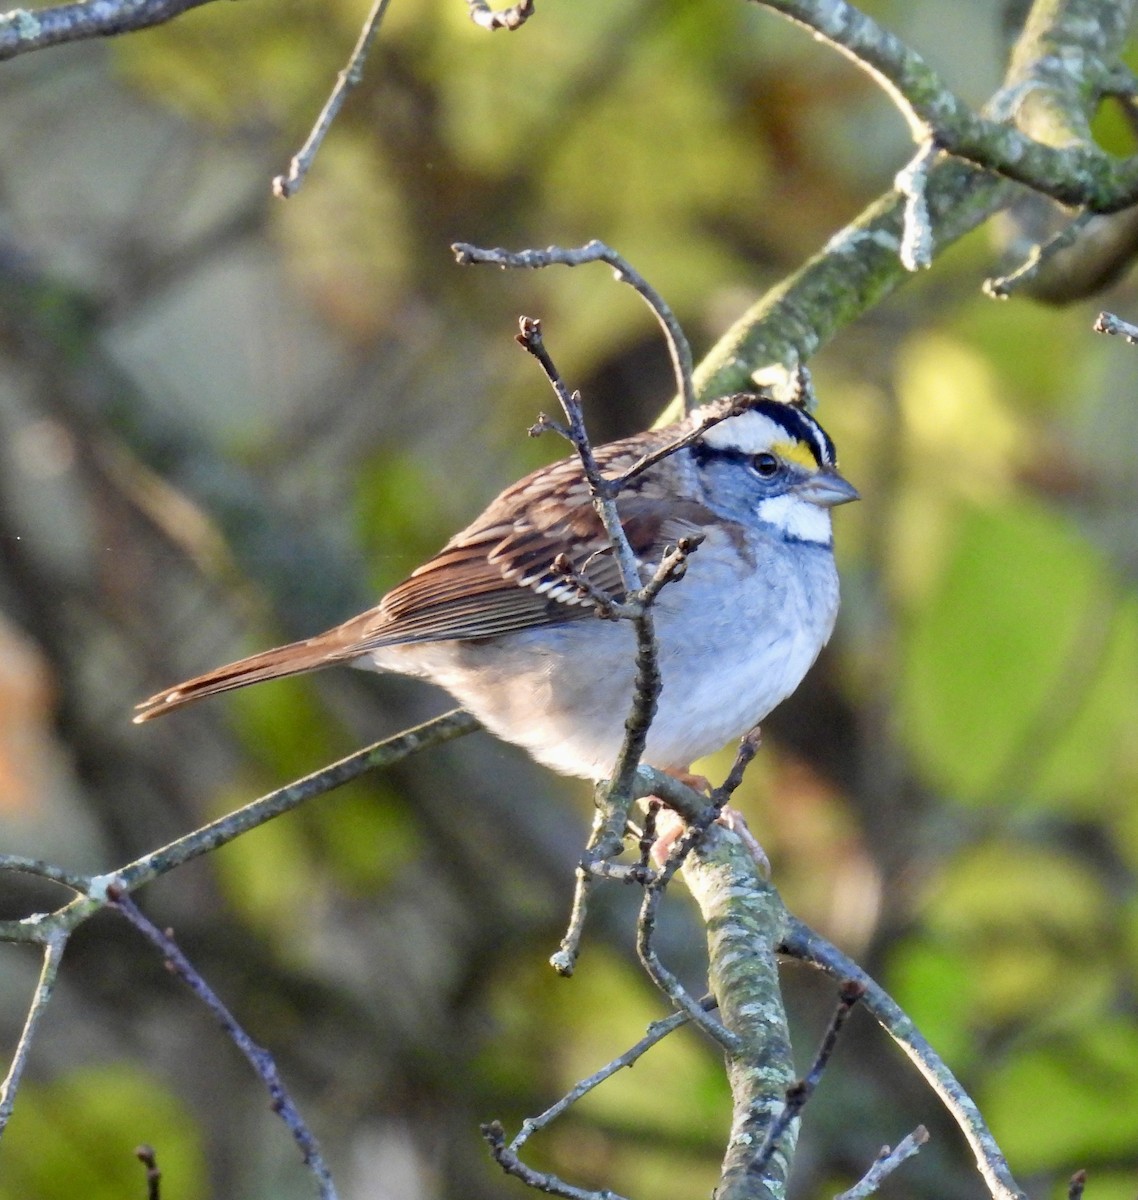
x: 505, y: 617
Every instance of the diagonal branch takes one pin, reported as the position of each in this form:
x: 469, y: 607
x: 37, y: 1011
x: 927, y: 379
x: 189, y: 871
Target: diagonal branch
x: 382, y: 754
x: 803, y: 943
x: 657, y: 1031
x: 42, y: 927
x: 23, y: 30
x: 885, y: 1164
x: 1076, y: 173
x: 257, y: 1056
x: 596, y: 251
x: 861, y: 264
x: 52, y: 957
x: 289, y: 184
x: 799, y: 1093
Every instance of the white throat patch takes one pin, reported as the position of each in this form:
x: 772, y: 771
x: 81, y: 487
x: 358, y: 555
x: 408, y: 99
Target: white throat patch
x: 797, y: 518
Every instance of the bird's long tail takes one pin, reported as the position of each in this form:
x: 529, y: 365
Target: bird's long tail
x: 293, y: 659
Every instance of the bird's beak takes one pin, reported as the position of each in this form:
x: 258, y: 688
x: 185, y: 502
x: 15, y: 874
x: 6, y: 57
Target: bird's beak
x: 826, y: 488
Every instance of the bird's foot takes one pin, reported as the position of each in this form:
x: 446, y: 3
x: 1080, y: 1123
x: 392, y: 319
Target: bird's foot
x: 670, y: 826
x: 697, y: 783
x: 733, y: 819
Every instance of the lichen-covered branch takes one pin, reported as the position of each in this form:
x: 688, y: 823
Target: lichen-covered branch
x: 856, y: 269
x: 23, y: 30
x: 746, y: 922
x: 1065, y: 60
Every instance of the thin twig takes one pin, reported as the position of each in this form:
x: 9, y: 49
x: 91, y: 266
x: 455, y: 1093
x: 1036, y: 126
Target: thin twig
x: 1077, y: 1186
x: 708, y: 814
x: 610, y: 825
x: 51, y: 930
x: 648, y: 782
x: 912, y: 180
x: 453, y: 724
x: 258, y: 1057
x: 41, y: 927
x: 656, y: 1032
x: 596, y: 251
x: 731, y: 408
x: 146, y: 1156
x: 667, y: 982
x: 697, y: 826
x: 1000, y: 287
x: 885, y: 1164
x: 728, y: 407
x: 700, y: 820
x: 648, y: 683
x: 615, y: 797
x: 564, y: 959
x: 749, y: 745
x: 801, y: 942
x: 685, y: 800
x: 542, y: 1181
x: 510, y: 18
x: 798, y: 1094
x: 45, y: 870
x: 288, y: 185
x: 53, y: 948
x: 638, y: 597
x: 530, y: 338
x: 1107, y: 322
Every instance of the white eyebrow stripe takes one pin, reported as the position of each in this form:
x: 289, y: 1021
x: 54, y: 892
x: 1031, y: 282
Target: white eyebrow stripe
x: 754, y: 431
x: 748, y: 433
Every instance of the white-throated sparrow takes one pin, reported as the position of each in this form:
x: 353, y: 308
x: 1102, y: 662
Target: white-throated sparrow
x: 495, y: 620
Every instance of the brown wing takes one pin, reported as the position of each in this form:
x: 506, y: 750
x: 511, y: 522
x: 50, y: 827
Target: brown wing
x: 494, y: 577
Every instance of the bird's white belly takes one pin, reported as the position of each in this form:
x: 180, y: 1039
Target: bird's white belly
x: 564, y: 692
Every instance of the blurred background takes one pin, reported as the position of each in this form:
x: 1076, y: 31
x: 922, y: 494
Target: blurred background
x: 227, y: 420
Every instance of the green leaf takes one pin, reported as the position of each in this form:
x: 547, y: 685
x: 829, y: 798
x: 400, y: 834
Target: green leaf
x: 1019, y: 666
x: 934, y: 983
x: 76, y: 1136
x: 1009, y: 918
x: 1070, y: 1100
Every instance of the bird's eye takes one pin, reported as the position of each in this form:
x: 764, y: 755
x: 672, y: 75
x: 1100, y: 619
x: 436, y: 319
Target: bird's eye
x: 766, y: 465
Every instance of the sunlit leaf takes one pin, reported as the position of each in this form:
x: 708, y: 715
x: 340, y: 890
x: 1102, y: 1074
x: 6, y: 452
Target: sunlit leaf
x: 1008, y: 651
x: 1012, y: 916
x: 77, y: 1135
x: 1060, y: 1104
x: 934, y: 982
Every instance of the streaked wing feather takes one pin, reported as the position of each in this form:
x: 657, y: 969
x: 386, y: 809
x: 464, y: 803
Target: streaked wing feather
x: 492, y: 579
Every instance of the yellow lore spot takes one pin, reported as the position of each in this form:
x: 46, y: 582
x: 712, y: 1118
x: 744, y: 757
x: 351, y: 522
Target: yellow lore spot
x: 795, y: 452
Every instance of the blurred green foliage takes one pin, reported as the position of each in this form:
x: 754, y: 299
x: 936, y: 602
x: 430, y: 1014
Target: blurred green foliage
x: 1058, y: 699
x: 77, y: 1136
